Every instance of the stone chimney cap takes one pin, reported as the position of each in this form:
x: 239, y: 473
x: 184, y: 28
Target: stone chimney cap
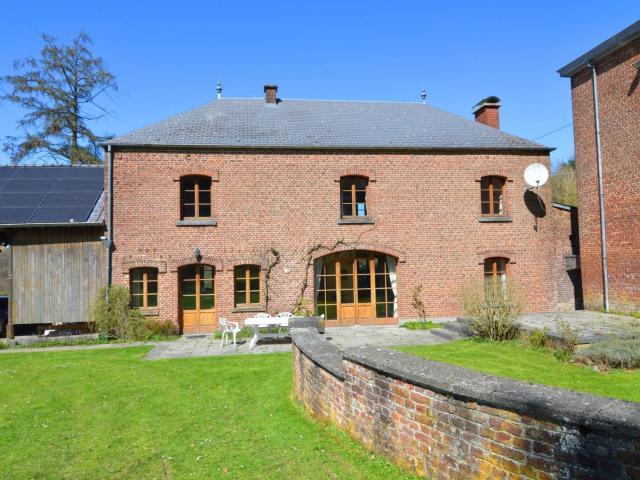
x: 490, y: 101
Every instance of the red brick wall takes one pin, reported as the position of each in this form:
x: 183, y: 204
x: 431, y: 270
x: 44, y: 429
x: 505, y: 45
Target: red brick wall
x: 439, y: 434
x: 568, y: 283
x: 619, y: 103
x: 426, y: 207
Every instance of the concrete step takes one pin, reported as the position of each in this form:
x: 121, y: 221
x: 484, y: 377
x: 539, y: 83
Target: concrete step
x: 447, y: 334
x: 458, y: 326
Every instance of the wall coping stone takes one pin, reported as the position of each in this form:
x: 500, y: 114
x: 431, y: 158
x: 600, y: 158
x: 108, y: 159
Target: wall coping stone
x: 320, y: 351
x: 581, y: 410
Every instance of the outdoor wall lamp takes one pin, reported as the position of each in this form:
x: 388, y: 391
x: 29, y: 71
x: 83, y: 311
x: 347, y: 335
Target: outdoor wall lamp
x: 198, y: 254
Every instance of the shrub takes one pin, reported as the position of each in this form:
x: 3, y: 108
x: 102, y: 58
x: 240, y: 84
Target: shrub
x: 302, y: 308
x: 491, y: 309
x: 567, y: 346
x: 612, y: 353
x: 537, y: 338
x: 111, y: 316
x: 417, y: 303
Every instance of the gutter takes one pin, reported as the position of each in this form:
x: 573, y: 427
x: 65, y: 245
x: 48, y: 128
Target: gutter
x: 7, y: 226
x: 603, y: 228
x: 109, y: 239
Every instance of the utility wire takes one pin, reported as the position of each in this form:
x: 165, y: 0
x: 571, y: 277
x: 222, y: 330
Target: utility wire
x: 553, y: 131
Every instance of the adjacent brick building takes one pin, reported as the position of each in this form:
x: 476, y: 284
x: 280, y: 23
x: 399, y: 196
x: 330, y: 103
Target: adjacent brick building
x: 247, y: 205
x: 616, y: 68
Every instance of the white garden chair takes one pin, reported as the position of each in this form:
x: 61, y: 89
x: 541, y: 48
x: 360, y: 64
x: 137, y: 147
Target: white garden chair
x: 283, y: 329
x: 228, y: 328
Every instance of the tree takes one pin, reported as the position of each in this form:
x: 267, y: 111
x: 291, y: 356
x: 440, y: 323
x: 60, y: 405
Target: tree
x: 59, y: 90
x: 563, y: 183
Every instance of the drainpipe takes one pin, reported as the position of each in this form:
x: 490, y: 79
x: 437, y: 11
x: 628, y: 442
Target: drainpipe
x: 10, y: 329
x: 109, y: 241
x: 603, y: 230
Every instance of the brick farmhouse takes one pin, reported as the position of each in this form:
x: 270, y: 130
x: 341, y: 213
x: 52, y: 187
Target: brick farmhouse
x: 613, y: 68
x: 342, y: 207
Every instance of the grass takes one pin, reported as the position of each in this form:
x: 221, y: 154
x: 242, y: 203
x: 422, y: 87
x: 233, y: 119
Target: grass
x: 420, y: 325
x: 110, y: 414
x: 74, y: 342
x: 516, y: 360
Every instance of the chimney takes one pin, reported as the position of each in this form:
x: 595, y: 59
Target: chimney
x: 487, y: 111
x: 271, y: 94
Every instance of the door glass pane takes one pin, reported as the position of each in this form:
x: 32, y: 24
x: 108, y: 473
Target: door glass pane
x: 207, y: 302
x: 330, y: 282
x: 331, y: 296
x: 330, y: 269
x: 188, y: 302
x: 346, y: 281
x: 206, y: 287
x: 188, y: 287
x: 347, y: 296
x: 363, y: 265
x: 332, y: 312
x: 381, y: 310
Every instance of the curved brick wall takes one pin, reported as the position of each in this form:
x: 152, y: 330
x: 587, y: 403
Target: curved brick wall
x: 445, y: 422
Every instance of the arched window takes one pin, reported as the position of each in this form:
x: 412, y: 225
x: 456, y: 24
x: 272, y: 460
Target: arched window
x: 492, y: 195
x: 496, y: 271
x: 353, y: 196
x: 143, y: 287
x: 247, y: 285
x: 195, y: 197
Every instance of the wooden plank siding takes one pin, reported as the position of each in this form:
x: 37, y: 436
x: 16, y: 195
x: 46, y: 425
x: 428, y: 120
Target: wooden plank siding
x: 57, y: 273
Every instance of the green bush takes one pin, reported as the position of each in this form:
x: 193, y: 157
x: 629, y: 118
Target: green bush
x: 537, y: 338
x: 491, y: 309
x: 612, y: 353
x: 112, y: 317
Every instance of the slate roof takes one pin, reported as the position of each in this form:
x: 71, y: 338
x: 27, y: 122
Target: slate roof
x: 619, y: 40
x: 43, y: 195
x: 252, y: 123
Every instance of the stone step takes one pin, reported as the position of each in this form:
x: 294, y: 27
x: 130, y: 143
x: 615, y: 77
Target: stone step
x: 458, y: 326
x: 447, y: 334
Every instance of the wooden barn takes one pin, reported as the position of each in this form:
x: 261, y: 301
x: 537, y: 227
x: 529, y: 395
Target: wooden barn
x: 52, y: 218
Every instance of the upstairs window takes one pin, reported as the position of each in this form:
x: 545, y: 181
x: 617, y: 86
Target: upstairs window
x: 247, y: 285
x: 492, y: 195
x: 353, y: 197
x: 195, y: 197
x: 144, y: 287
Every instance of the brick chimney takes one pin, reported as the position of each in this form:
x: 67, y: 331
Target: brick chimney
x: 487, y: 111
x: 271, y: 94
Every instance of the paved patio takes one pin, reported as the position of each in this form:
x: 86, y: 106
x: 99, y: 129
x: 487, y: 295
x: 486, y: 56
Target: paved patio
x: 591, y: 326
x: 345, y: 337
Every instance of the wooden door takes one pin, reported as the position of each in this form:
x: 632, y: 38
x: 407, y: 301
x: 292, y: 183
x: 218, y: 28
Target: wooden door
x: 197, y: 299
x: 357, y: 284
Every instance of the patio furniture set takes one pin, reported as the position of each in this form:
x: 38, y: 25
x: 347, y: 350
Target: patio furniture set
x: 260, y: 321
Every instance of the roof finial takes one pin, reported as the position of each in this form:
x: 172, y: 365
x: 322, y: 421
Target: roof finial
x: 423, y: 95
x: 219, y: 90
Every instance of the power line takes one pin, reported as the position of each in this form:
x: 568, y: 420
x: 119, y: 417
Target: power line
x: 553, y: 131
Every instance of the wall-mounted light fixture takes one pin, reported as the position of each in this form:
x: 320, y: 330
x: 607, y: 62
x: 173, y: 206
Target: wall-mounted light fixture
x: 198, y: 254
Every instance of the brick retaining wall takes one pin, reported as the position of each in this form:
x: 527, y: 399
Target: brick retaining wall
x: 446, y: 422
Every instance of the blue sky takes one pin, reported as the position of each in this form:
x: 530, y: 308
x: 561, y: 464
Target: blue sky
x: 168, y: 56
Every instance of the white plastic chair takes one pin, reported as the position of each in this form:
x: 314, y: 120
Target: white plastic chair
x: 228, y: 328
x: 283, y: 329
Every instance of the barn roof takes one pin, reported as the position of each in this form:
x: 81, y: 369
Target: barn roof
x: 329, y: 124
x: 51, y: 195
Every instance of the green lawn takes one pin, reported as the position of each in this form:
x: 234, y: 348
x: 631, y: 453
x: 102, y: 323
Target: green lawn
x: 110, y: 414
x: 514, y: 360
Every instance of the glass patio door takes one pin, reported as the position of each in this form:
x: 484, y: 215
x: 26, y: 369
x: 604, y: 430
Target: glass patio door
x: 197, y: 299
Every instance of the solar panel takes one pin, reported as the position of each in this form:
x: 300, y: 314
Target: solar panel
x: 21, y: 199
x: 15, y: 214
x: 48, y: 194
x: 38, y: 185
x: 71, y: 199
x: 61, y: 214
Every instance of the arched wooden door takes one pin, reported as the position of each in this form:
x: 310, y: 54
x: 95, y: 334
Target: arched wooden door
x: 356, y: 288
x: 198, y: 299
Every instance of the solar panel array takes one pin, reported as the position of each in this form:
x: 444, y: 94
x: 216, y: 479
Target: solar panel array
x: 49, y: 194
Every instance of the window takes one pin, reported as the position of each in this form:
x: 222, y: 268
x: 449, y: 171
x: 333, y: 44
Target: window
x: 144, y: 287
x: 195, y: 193
x: 495, y: 272
x: 492, y: 195
x: 353, y: 196
x: 247, y: 285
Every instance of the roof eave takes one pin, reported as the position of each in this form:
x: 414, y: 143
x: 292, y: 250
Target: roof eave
x: 619, y: 40
x: 6, y: 226
x: 532, y: 148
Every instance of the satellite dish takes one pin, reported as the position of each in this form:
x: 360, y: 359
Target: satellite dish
x: 536, y: 175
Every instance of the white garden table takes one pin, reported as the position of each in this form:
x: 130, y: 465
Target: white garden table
x: 258, y: 322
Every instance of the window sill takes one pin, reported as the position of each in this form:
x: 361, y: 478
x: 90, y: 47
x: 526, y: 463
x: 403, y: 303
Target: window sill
x: 148, y: 312
x: 197, y: 223
x: 248, y: 309
x: 495, y: 219
x: 356, y: 221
